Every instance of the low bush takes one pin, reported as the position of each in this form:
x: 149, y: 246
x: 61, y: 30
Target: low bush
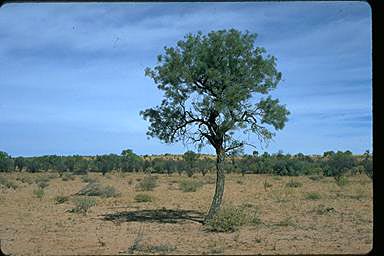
x: 190, y: 185
x: 341, y: 180
x: 316, y: 177
x: 67, y: 176
x: 294, y: 184
x: 61, y: 199
x: 147, y: 184
x: 88, y: 179
x: 39, y: 193
x: 25, y: 179
x: 42, y: 184
x: 228, y: 219
x: 83, y: 204
x: 312, y: 196
x: 143, y: 198
x: 96, y: 189
x: 4, y: 182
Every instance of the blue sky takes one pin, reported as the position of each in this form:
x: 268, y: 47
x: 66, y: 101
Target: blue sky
x: 72, y: 75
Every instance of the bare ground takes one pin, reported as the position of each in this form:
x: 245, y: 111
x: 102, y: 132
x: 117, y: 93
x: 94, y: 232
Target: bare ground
x: 340, y: 221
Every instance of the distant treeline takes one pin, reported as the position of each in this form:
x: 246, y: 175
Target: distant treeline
x: 329, y: 164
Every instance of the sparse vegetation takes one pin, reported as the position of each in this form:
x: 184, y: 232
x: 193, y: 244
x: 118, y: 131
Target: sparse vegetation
x: 148, y: 183
x: 228, y: 219
x: 61, y: 199
x: 294, y: 184
x: 341, y: 180
x: 312, y: 196
x: 39, y: 193
x: 4, y: 182
x: 88, y: 179
x: 67, y: 177
x: 190, y: 185
x: 96, y: 189
x: 143, y: 198
x: 83, y: 204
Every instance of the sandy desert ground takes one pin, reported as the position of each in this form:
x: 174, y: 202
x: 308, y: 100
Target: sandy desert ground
x: 339, y: 221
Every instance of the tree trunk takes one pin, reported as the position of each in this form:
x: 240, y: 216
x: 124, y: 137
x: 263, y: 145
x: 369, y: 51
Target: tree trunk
x: 219, y: 191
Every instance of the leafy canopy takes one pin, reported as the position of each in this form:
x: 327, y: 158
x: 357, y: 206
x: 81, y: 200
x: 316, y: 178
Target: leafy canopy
x: 208, y: 83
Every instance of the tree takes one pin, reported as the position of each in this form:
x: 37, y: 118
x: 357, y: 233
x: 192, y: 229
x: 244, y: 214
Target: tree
x: 6, y: 162
x: 190, y: 158
x: 208, y: 83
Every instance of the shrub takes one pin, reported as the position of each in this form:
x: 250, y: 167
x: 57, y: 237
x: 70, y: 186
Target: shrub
x: 88, y: 179
x: 316, y: 177
x: 147, y: 184
x: 341, y: 180
x: 39, y: 193
x: 67, y: 176
x: 42, y: 184
x: 190, y: 185
x: 142, y: 198
x: 96, y: 189
x: 294, y: 184
x: 42, y: 178
x: 83, y: 204
x: 7, y: 183
x: 266, y: 185
x: 61, y: 199
x: 228, y: 219
x: 25, y: 179
x: 312, y: 196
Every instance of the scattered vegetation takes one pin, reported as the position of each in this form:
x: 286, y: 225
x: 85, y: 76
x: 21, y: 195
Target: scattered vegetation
x: 143, y: 198
x: 4, y: 182
x: 294, y: 184
x: 61, y: 199
x: 147, y: 184
x: 88, y: 179
x: 83, y: 204
x: 67, y: 177
x: 39, y: 193
x: 96, y: 189
x: 228, y: 219
x: 341, y: 180
x: 190, y: 185
x: 312, y: 196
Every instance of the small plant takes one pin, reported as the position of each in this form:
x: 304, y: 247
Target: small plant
x: 147, y: 184
x: 190, y: 185
x: 312, y: 196
x: 341, y: 180
x: 42, y: 184
x: 294, y: 184
x: 61, y: 199
x: 42, y: 178
x: 88, y: 179
x: 83, y: 204
x: 266, y: 184
x: 286, y: 222
x: 228, y: 219
x: 240, y: 182
x: 322, y: 209
x: 316, y: 177
x: 216, y: 247
x: 67, y: 176
x: 143, y: 198
x: 39, y: 193
x: 25, y: 179
x: 7, y: 183
x: 96, y: 189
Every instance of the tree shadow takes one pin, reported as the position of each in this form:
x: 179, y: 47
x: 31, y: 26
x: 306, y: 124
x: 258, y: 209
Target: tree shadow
x: 156, y: 215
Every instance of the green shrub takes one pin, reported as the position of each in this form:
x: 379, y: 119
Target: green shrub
x: 67, y: 176
x: 190, y: 185
x: 7, y: 183
x: 61, y: 199
x: 316, y: 177
x: 294, y: 184
x: 25, y: 179
x: 42, y: 178
x: 147, y: 184
x: 88, y: 179
x: 228, y: 219
x: 83, y: 204
x: 39, y: 193
x: 142, y: 198
x: 96, y: 189
x: 42, y: 184
x: 341, y: 180
x: 312, y: 196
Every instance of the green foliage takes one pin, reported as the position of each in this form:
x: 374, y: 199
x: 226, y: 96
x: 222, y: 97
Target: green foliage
x: 338, y: 163
x: 96, y: 189
x: 7, y: 183
x: 147, y: 184
x: 83, y: 204
x: 228, y: 219
x: 341, y: 180
x: 24, y: 178
x: 6, y: 162
x: 190, y: 185
x: 294, y: 184
x: 61, y: 199
x: 142, y: 198
x: 316, y: 177
x: 312, y: 196
x: 39, y: 193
